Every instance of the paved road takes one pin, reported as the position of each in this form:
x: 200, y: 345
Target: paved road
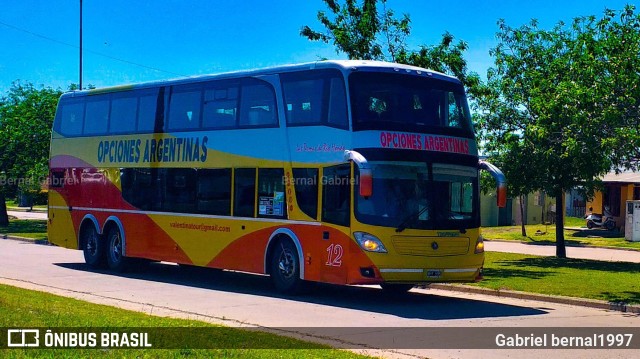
x: 28, y: 215
x: 603, y: 254
x: 245, y: 300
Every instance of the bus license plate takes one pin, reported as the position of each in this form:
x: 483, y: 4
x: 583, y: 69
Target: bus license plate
x: 434, y: 273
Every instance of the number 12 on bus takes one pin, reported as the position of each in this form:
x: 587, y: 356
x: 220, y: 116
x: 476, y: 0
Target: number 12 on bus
x: 344, y: 172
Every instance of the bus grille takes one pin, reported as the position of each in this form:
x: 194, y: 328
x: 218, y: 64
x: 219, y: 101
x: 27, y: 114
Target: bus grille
x: 430, y: 246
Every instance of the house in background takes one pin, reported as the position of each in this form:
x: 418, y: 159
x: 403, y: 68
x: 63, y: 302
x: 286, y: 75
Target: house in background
x: 618, y: 189
x: 575, y: 203
x: 538, y: 208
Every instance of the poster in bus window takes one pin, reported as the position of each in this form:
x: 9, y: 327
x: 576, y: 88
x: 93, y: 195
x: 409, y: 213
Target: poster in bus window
x: 272, y: 206
x: 278, y: 203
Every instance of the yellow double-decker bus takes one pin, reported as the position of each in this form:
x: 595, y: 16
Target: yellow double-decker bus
x: 344, y: 172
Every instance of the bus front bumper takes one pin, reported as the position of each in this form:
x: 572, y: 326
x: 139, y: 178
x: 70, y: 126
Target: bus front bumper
x: 428, y: 275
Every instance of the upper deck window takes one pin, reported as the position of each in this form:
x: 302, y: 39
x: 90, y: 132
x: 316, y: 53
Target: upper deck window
x: 212, y: 105
x: 408, y: 103
x: 258, y: 105
x: 96, y: 115
x: 70, y: 117
x: 315, y: 98
x: 184, y: 108
x: 220, y: 106
x: 124, y: 110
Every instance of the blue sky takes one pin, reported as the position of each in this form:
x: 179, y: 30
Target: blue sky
x: 191, y: 37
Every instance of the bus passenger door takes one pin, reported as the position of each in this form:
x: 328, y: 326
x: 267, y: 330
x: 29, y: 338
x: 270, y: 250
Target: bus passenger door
x: 336, y: 204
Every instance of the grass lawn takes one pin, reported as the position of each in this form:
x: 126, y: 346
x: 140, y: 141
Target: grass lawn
x: 611, y: 281
x: 21, y: 308
x: 27, y: 228
x: 546, y: 234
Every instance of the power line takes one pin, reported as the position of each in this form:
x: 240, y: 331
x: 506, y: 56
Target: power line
x: 88, y: 50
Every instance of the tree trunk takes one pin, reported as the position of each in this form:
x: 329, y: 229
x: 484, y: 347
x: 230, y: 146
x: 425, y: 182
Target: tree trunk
x: 561, y: 250
x: 522, y: 217
x: 4, y: 216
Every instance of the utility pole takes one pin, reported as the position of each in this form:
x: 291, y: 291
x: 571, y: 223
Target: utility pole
x: 80, y: 75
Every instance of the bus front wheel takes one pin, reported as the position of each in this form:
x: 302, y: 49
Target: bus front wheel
x: 285, y: 267
x: 115, y: 251
x: 93, y: 247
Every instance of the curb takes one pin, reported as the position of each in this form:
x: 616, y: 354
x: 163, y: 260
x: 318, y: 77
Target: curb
x: 43, y: 242
x: 567, y: 245
x: 584, y: 302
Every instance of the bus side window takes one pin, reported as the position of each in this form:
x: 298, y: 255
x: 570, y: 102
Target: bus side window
x: 306, y: 187
x: 149, y: 103
x: 184, y: 108
x: 214, y: 191
x: 258, y: 105
x: 138, y: 187
x: 338, y: 104
x: 124, y: 110
x: 96, y: 117
x: 336, y: 194
x: 244, y: 192
x: 71, y: 118
x: 315, y: 98
x: 180, y: 190
x: 220, y: 107
x: 271, y: 193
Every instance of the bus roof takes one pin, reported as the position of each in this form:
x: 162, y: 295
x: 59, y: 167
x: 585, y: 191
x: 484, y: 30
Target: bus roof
x: 343, y: 65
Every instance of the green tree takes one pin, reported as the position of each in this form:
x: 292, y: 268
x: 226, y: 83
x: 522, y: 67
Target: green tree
x: 510, y: 154
x: 26, y: 116
x: 569, y: 97
x: 368, y: 30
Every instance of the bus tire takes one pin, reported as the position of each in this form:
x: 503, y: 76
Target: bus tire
x: 93, y: 246
x: 285, y: 267
x: 115, y: 251
x: 396, y: 289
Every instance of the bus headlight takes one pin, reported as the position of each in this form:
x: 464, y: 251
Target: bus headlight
x: 369, y: 242
x: 479, y: 245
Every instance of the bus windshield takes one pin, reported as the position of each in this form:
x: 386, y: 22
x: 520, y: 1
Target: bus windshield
x: 408, y: 103
x: 420, y: 196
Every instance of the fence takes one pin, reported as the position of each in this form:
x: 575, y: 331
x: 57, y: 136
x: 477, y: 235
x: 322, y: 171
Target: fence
x: 576, y: 212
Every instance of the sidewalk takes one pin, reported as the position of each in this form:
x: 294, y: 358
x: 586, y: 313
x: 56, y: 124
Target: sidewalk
x: 28, y: 215
x: 595, y: 253
x: 26, y: 209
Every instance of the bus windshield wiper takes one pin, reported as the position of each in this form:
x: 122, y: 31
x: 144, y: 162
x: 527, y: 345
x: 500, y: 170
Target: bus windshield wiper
x: 411, y: 219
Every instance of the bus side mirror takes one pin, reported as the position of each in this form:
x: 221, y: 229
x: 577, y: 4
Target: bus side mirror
x: 501, y: 182
x: 366, y: 182
x: 366, y: 175
x: 502, y: 195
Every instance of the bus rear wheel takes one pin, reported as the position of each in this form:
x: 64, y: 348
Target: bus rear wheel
x: 93, y: 247
x: 115, y: 251
x: 285, y: 267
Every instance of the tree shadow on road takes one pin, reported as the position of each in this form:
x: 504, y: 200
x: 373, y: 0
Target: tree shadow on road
x: 415, y: 305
